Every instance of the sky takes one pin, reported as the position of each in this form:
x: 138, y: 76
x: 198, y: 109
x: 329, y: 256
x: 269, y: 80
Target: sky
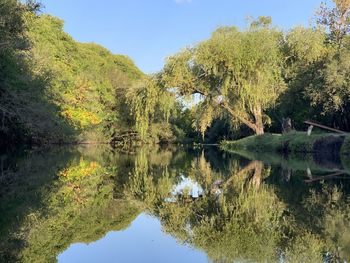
x: 148, y: 31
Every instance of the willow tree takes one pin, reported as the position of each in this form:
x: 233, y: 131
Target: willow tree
x: 147, y: 98
x: 236, y: 71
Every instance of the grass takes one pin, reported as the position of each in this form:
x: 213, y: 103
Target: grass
x: 294, y: 142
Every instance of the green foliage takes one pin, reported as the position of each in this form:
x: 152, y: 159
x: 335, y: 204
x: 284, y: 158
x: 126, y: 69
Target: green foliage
x: 238, y: 71
x: 305, y: 45
x: 85, y: 78
x: 316, y: 71
x: 95, y: 90
x: 205, y: 115
x: 333, y: 94
x: 26, y: 113
x: 72, y: 91
x: 294, y: 142
x: 163, y: 133
x: 54, y: 89
x: 12, y: 24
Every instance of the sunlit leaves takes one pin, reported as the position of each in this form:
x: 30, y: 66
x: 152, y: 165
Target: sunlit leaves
x: 306, y: 44
x: 241, y: 69
x: 145, y: 99
x: 333, y: 93
x: 12, y: 26
x: 205, y: 115
x: 86, y: 82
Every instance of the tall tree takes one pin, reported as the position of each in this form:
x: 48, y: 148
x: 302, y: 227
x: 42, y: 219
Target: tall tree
x: 305, y: 54
x: 235, y: 71
x: 332, y: 91
x: 329, y: 90
x: 146, y: 99
x: 336, y: 19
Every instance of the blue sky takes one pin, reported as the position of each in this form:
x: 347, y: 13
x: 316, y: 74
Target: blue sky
x: 150, y: 30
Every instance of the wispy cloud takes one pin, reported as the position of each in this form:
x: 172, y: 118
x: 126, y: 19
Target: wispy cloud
x: 182, y: 1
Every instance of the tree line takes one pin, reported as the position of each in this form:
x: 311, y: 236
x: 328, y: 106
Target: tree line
x: 257, y: 76
x: 55, y: 89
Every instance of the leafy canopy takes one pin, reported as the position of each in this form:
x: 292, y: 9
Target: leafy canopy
x: 239, y: 71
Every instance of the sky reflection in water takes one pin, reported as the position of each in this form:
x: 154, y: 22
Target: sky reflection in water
x: 143, y: 241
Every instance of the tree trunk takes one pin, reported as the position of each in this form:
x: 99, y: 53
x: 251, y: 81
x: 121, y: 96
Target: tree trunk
x: 256, y: 125
x: 259, y: 130
x: 259, y: 125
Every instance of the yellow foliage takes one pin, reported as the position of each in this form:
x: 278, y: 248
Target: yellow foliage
x: 81, y: 118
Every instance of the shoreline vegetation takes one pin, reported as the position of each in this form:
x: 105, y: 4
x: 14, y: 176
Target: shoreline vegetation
x: 56, y: 90
x: 292, y: 143
x: 322, y: 152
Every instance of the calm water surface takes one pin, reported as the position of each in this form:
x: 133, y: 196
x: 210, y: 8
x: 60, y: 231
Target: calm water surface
x: 174, y: 204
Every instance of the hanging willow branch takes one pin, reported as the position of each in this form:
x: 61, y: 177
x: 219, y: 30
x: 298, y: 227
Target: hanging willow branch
x: 145, y: 99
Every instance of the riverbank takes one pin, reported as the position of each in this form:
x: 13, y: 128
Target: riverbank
x: 294, y: 142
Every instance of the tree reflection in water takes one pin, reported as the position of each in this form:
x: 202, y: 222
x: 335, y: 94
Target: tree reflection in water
x: 249, y: 209
x: 253, y: 219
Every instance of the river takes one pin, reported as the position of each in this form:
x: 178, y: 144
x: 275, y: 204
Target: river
x: 172, y: 204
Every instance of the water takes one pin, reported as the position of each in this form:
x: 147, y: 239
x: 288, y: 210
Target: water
x: 142, y: 241
x: 94, y: 204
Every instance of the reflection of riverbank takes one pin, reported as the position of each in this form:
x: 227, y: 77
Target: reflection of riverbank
x: 54, y: 199
x: 326, y: 145
x: 310, y: 164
